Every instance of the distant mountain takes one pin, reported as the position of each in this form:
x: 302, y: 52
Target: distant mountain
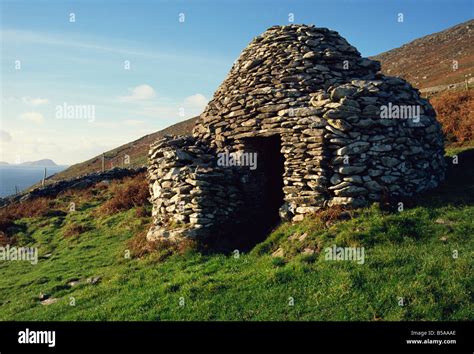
x: 3, y: 163
x: 43, y: 162
x: 431, y: 60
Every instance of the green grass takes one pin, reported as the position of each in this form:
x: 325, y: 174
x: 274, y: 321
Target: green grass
x: 408, y: 255
x: 454, y: 150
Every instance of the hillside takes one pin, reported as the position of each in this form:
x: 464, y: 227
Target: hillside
x: 424, y: 62
x: 137, y: 151
x: 428, y: 61
x: 422, y: 255
x: 95, y: 263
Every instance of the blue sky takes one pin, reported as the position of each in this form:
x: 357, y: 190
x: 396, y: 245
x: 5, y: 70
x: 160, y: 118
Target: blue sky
x: 174, y: 66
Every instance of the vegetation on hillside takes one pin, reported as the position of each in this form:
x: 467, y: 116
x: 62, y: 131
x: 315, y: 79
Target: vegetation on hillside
x: 441, y: 58
x: 95, y: 265
x: 455, y: 112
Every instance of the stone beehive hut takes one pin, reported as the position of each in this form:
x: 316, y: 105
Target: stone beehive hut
x: 324, y: 126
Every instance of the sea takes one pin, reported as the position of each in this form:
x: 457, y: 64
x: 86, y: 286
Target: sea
x: 14, y: 178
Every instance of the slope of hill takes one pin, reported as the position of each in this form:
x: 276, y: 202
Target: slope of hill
x: 97, y: 256
x: 428, y: 61
x: 136, y: 150
x: 424, y: 62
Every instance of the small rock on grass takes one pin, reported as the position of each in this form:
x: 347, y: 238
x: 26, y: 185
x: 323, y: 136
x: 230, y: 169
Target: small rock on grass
x: 308, y: 251
x: 444, y: 222
x: 73, y: 282
x: 49, y: 301
x: 278, y: 253
x: 94, y: 280
x: 303, y: 236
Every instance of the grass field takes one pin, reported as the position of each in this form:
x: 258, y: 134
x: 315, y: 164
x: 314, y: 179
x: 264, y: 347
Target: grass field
x: 418, y: 265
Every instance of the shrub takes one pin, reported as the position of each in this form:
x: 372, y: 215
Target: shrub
x: 29, y: 208
x: 130, y: 192
x: 5, y: 222
x: 5, y: 240
x: 141, y: 212
x: 455, y: 111
x: 329, y: 216
x: 139, y: 246
x: 75, y: 230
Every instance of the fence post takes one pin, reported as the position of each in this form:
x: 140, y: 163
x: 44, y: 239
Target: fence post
x: 44, y: 178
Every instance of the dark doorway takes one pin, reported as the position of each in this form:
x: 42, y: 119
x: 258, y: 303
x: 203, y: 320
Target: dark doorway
x: 263, y: 191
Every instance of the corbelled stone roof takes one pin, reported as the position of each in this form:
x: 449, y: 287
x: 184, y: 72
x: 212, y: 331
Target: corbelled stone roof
x: 280, y: 69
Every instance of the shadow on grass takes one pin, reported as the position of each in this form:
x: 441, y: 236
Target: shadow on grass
x: 458, y: 187
x: 456, y: 190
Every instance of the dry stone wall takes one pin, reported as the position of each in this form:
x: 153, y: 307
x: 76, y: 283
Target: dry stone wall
x: 346, y: 134
x: 375, y: 149
x: 190, y: 196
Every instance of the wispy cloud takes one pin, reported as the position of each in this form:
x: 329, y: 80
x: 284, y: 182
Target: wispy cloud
x: 103, y: 45
x: 35, y: 101
x: 140, y: 93
x: 51, y: 39
x: 34, y: 117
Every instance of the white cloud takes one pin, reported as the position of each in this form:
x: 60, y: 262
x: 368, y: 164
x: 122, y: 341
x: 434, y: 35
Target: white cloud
x: 34, y: 117
x: 194, y: 105
x: 198, y: 101
x: 140, y: 93
x: 35, y: 101
x: 5, y: 136
x: 190, y: 106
